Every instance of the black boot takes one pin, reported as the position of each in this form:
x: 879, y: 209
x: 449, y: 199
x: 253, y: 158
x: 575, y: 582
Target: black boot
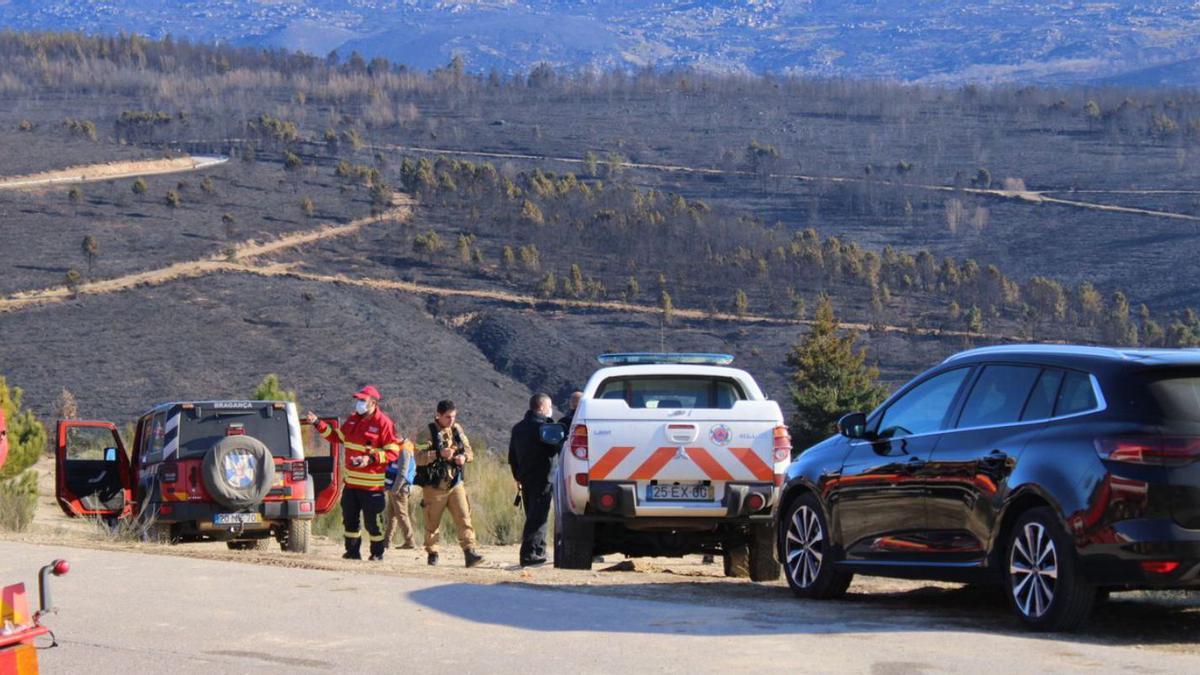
x: 377, y: 549
x: 353, y: 548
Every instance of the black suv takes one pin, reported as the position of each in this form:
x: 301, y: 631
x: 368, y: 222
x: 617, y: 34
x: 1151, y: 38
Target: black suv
x: 1061, y: 472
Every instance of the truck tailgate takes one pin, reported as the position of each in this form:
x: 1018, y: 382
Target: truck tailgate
x: 682, y: 445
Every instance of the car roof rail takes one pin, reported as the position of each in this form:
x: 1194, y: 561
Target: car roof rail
x: 657, y: 358
x: 1076, y: 350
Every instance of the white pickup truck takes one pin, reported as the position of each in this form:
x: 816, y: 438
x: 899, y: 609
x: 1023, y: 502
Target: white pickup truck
x: 669, y: 455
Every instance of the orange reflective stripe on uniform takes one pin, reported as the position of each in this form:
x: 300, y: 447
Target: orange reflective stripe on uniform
x: 330, y: 430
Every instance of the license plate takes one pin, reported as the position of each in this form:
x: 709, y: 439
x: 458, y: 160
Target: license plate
x: 237, y: 518
x: 679, y: 492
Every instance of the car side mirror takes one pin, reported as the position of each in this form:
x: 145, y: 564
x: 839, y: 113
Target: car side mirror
x: 853, y: 426
x: 553, y: 433
x: 110, y: 454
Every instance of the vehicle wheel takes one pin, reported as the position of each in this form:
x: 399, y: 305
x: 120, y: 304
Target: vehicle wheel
x: 573, y: 541
x: 764, y: 565
x: 804, y: 540
x: 295, y: 540
x: 159, y: 533
x: 737, y: 560
x: 1043, y: 583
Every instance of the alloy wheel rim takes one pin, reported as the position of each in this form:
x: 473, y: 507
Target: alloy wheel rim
x: 1033, y: 570
x: 805, y: 547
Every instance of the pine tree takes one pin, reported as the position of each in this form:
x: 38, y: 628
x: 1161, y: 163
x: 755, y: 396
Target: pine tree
x: 91, y: 250
x: 740, y: 302
x: 269, y: 389
x: 830, y: 378
x: 26, y: 442
x: 667, y: 306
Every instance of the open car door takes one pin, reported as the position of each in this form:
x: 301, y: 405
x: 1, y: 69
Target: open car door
x: 326, y: 472
x: 93, y: 477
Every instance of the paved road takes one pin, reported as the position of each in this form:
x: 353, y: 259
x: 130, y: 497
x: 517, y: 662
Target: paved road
x: 136, y: 613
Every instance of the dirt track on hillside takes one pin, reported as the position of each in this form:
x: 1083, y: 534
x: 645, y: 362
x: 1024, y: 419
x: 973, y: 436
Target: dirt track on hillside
x: 110, y: 171
x: 241, y: 258
x: 234, y: 260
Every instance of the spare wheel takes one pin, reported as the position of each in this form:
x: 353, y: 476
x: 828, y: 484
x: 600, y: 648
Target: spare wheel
x: 238, y: 472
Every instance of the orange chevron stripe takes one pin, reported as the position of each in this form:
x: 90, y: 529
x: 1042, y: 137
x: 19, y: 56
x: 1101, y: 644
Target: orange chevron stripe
x: 708, y: 465
x: 757, y: 467
x: 650, y: 468
x: 610, y: 460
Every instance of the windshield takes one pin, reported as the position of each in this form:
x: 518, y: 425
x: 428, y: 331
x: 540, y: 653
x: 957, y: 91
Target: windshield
x: 672, y: 392
x: 202, y: 428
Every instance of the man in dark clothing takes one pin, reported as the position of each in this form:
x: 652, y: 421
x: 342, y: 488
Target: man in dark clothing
x: 572, y: 405
x: 531, y: 461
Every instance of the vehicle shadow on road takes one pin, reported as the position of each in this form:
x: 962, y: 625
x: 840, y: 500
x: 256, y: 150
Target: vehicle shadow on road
x: 739, y: 608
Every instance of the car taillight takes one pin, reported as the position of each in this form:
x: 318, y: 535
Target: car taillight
x: 169, y: 473
x: 1155, y: 450
x: 579, y: 442
x: 299, y: 471
x: 783, y: 444
x: 236, y: 430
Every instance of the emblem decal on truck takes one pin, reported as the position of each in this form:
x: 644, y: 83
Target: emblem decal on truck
x: 720, y: 434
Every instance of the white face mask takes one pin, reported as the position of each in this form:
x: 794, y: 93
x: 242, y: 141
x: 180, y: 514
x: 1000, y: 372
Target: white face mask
x: 361, y: 407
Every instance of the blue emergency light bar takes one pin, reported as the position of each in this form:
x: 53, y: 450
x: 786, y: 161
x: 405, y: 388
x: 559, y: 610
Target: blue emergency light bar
x: 650, y: 358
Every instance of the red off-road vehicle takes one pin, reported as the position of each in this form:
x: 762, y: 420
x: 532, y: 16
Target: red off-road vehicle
x: 233, y: 471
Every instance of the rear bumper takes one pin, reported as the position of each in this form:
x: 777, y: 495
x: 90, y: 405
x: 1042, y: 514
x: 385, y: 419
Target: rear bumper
x: 626, y: 504
x: 201, y: 514
x: 1136, y: 547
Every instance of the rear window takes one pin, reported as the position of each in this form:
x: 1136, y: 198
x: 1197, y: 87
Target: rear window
x: 200, y: 429
x: 672, y: 392
x: 1076, y: 395
x: 1041, y: 401
x: 1178, y: 397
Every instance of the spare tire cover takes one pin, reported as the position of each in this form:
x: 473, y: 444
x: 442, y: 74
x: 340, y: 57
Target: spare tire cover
x: 238, y: 472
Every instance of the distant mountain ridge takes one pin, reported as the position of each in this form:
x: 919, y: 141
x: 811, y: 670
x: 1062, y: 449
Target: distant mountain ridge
x: 921, y: 40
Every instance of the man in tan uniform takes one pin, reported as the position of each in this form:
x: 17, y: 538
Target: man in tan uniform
x: 442, y: 452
